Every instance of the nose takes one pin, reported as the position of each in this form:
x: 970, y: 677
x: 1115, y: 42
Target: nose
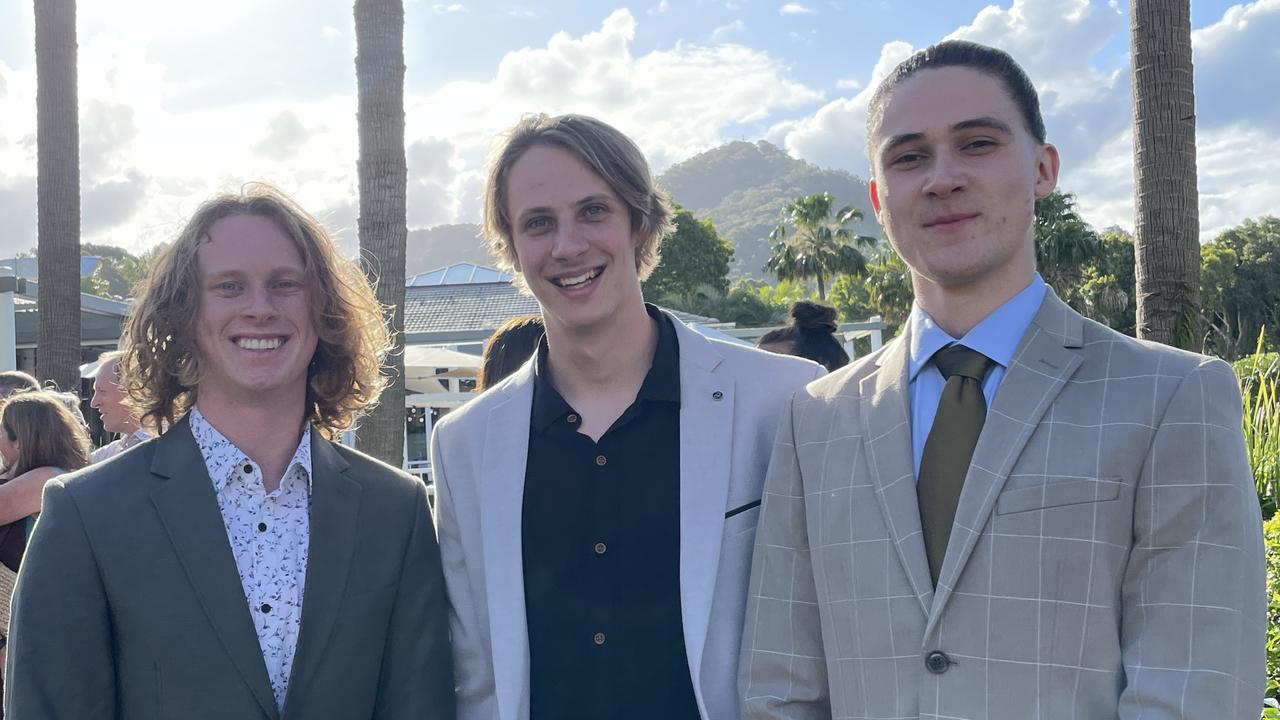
x: 946, y: 175
x: 260, y: 304
x: 568, y: 242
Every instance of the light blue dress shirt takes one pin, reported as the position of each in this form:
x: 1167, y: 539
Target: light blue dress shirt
x: 997, y: 337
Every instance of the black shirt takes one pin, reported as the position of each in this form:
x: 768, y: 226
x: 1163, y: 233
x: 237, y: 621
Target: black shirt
x: 601, y: 537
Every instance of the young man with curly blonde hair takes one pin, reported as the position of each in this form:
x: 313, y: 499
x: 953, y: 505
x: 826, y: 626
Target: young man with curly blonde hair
x: 242, y: 564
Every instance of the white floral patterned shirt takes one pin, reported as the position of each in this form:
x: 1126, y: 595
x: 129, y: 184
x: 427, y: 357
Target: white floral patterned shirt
x: 270, y: 535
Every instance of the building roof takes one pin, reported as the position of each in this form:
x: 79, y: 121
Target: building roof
x: 472, y: 307
x: 458, y: 274
x: 28, y: 267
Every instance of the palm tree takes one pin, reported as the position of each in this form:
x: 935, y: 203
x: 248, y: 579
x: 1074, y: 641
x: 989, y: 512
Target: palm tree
x: 382, y: 225
x: 819, y: 248
x: 58, y: 194
x: 1167, y: 224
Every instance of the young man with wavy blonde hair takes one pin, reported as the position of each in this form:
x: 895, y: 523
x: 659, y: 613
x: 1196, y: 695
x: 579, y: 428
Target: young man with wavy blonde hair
x: 242, y: 564
x: 597, y: 506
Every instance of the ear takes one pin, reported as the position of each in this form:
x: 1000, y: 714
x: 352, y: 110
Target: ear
x: 873, y: 189
x: 1047, y: 164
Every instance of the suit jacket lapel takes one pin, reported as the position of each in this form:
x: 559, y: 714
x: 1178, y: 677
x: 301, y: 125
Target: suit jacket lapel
x: 188, y: 509
x: 887, y: 431
x: 706, y: 445
x: 501, y: 494
x: 335, y: 509
x: 1045, y: 359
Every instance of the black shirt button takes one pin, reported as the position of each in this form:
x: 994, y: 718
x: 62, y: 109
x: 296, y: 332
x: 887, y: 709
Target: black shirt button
x: 266, y: 607
x: 937, y: 662
x: 248, y: 469
x: 599, y: 638
x: 600, y: 548
x: 262, y: 527
x: 572, y: 418
x: 601, y: 460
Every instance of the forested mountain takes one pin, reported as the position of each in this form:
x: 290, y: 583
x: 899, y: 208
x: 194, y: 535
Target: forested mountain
x: 430, y: 248
x: 741, y: 186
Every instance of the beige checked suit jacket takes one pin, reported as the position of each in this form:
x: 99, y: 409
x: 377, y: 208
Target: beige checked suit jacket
x: 1106, y: 559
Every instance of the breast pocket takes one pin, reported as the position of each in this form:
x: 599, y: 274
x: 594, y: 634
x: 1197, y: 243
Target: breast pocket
x: 742, y: 519
x: 1057, y: 492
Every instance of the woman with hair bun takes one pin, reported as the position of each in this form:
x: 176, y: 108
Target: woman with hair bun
x: 809, y: 334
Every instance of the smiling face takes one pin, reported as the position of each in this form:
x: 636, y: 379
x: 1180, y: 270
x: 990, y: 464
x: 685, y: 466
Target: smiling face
x: 254, y: 331
x: 573, y: 241
x: 957, y: 174
x: 108, y: 400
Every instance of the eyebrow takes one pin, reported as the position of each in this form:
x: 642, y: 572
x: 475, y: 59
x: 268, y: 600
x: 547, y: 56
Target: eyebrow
x: 984, y: 122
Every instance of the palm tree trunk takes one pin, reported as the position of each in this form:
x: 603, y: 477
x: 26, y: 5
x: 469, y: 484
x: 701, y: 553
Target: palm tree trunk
x: 58, y: 194
x: 382, y: 224
x: 1167, y: 224
x: 822, y: 288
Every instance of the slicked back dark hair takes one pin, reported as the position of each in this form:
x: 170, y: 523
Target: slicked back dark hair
x: 961, y: 53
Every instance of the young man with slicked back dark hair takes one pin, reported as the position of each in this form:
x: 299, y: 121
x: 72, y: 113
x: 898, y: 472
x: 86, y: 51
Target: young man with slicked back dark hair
x: 1010, y: 511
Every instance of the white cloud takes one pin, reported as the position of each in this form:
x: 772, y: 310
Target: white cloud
x: 795, y: 8
x: 849, y: 83
x: 660, y: 8
x: 442, y: 9
x: 725, y: 33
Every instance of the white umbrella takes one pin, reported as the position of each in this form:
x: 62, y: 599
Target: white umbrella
x: 423, y: 365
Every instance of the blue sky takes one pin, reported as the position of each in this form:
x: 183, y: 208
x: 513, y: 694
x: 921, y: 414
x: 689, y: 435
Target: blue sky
x: 183, y: 98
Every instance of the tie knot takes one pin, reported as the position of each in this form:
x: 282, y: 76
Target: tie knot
x: 960, y: 360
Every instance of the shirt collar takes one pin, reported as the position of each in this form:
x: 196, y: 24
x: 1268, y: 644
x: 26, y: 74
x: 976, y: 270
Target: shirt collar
x: 997, y: 336
x: 223, y: 458
x: 661, y: 383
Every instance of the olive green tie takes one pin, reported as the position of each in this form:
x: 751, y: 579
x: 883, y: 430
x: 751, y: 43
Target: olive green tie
x: 949, y: 447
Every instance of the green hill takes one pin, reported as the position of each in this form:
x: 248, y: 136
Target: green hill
x: 743, y: 187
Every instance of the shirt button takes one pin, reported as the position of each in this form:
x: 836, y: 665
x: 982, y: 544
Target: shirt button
x: 599, y: 638
x: 572, y: 418
x: 601, y: 460
x: 248, y: 469
x: 600, y: 548
x: 266, y: 607
x: 262, y: 527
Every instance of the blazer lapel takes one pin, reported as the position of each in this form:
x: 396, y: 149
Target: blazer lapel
x: 1046, y: 358
x: 706, y: 444
x: 887, y: 431
x: 335, y: 509
x: 501, y: 494
x: 188, y: 509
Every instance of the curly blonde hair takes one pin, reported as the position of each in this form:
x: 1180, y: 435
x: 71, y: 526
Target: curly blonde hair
x: 604, y: 149
x: 161, y: 366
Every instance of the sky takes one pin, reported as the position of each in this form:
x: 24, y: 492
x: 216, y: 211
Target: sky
x: 184, y: 98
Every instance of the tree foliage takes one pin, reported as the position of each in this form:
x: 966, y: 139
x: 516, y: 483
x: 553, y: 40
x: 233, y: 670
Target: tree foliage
x: 1240, y: 288
x: 818, y: 247
x: 693, y: 257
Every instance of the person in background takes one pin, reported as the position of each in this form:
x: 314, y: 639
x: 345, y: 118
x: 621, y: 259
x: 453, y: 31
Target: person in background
x: 809, y: 334
x: 39, y: 438
x: 510, y: 346
x: 111, y: 403
x: 14, y: 381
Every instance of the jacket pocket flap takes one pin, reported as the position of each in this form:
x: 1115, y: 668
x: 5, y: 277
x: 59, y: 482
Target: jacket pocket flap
x: 1055, y: 493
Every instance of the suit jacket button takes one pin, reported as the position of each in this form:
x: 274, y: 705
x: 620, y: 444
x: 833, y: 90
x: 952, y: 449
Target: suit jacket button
x: 937, y: 662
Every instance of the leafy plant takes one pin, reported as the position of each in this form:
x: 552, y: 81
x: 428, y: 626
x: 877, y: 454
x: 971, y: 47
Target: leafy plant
x: 1271, y: 535
x: 1260, y: 388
